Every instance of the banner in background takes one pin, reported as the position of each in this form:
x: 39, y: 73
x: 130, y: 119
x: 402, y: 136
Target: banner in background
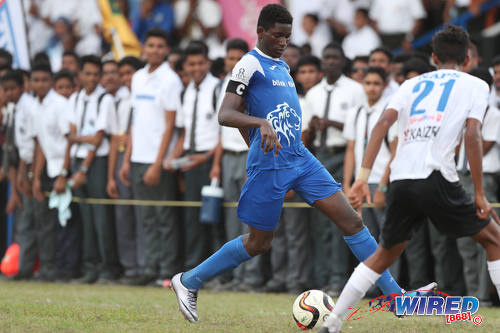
x: 239, y: 18
x: 13, y: 32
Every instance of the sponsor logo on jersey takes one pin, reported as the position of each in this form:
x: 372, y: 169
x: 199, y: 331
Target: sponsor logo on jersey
x: 285, y: 121
x: 421, y: 133
x: 272, y: 67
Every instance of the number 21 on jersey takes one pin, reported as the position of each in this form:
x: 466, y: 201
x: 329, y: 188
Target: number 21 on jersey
x: 425, y: 87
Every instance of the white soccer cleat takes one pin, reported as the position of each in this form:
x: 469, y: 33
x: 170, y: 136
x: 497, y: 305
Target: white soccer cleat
x: 332, y: 324
x: 423, y: 291
x: 186, y: 298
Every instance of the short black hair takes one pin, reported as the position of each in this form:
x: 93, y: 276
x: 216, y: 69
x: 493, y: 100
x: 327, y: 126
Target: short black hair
x: 335, y: 46
x: 272, y: 14
x: 14, y: 76
x: 41, y: 58
x: 179, y: 64
x: 309, y: 60
x: 196, y: 47
x: 41, y: 67
x: 376, y: 70
x: 70, y: 53
x: 217, y: 67
x: 176, y: 50
x: 401, y: 57
x: 451, y: 44
x: 483, y: 74
x: 237, y: 44
x: 8, y: 57
x: 384, y: 50
x: 415, y: 64
x: 496, y: 60
x: 363, y: 11
x: 364, y: 59
x: 293, y: 46
x: 157, y: 32
x: 91, y: 59
x: 64, y: 74
x: 110, y: 61
x: 313, y: 16
x: 131, y: 61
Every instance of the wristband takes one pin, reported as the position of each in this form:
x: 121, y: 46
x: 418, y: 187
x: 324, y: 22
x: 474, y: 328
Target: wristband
x: 382, y: 188
x: 363, y: 174
x: 84, y: 169
x: 64, y: 173
x: 30, y: 175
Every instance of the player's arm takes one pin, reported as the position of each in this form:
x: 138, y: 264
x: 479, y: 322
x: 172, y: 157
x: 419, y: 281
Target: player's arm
x: 232, y: 114
x: 360, y: 189
x: 474, y: 150
x: 349, y: 161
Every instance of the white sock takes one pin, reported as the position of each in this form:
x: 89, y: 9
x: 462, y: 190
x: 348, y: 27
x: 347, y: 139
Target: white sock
x: 494, y: 269
x: 357, y: 286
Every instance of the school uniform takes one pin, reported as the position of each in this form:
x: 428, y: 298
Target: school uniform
x: 93, y: 113
x: 198, y: 117
x: 333, y: 102
x: 50, y: 127
x: 152, y: 95
x: 129, y: 232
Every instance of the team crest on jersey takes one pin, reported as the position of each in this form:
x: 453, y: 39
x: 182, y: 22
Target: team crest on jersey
x: 285, y: 121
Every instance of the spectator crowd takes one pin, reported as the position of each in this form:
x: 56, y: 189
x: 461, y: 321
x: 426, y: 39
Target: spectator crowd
x: 146, y: 128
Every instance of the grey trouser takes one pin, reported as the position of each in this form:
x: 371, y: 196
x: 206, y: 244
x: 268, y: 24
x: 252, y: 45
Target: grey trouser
x: 233, y: 179
x: 37, y: 233
x: 477, y: 278
x: 160, y: 223
x: 99, y: 246
x: 200, y: 239
x: 330, y: 252
x: 290, y: 250
x: 129, y: 233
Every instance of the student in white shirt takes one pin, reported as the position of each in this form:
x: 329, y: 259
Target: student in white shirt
x: 129, y: 232
x: 199, y: 139
x: 424, y: 180
x: 64, y: 83
x: 93, y: 117
x: 154, y: 92
x: 473, y: 256
x: 363, y: 38
x: 382, y: 57
x: 328, y: 104
x: 316, y: 37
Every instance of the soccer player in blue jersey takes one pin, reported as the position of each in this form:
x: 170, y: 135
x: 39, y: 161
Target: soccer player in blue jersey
x: 277, y: 162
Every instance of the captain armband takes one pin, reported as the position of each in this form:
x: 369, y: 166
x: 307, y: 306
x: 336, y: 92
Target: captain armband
x: 237, y: 88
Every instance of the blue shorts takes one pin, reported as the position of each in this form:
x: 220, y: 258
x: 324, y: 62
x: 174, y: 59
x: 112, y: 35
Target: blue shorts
x: 263, y: 194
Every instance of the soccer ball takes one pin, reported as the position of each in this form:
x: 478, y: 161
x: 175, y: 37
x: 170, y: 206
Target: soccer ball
x: 311, y: 309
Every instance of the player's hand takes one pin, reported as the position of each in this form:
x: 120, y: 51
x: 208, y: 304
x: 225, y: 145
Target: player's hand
x: 152, y: 176
x: 483, y: 208
x: 359, y: 191
x: 269, y: 140
x: 196, y: 160
x: 124, y: 173
x: 60, y: 185
x: 112, y: 189
x: 379, y: 199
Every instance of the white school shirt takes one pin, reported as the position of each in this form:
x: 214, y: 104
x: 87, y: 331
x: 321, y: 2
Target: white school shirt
x: 23, y: 139
x: 346, y: 94
x: 231, y: 138
x: 152, y: 95
x: 207, y: 126
x: 51, y: 125
x: 390, y: 90
x: 360, y: 42
x: 490, y: 132
x: 357, y: 129
x: 396, y: 16
x: 94, y: 121
x: 432, y: 110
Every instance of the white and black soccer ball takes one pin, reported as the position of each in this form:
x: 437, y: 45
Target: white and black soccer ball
x: 311, y: 308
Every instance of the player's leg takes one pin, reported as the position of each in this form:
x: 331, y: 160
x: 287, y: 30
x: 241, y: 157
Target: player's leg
x: 489, y: 238
x: 363, y: 277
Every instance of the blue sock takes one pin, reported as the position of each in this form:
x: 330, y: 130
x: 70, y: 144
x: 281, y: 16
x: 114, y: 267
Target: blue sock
x: 364, y: 245
x: 229, y: 256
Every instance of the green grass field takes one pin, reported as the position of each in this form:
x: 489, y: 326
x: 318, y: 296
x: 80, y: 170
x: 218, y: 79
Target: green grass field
x: 41, y: 307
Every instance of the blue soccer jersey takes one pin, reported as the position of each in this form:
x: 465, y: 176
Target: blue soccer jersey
x: 269, y: 92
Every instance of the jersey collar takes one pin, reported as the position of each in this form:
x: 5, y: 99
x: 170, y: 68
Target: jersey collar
x: 265, y: 55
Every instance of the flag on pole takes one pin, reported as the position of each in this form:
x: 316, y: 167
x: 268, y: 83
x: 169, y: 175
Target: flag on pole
x: 13, y: 32
x: 117, y: 30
